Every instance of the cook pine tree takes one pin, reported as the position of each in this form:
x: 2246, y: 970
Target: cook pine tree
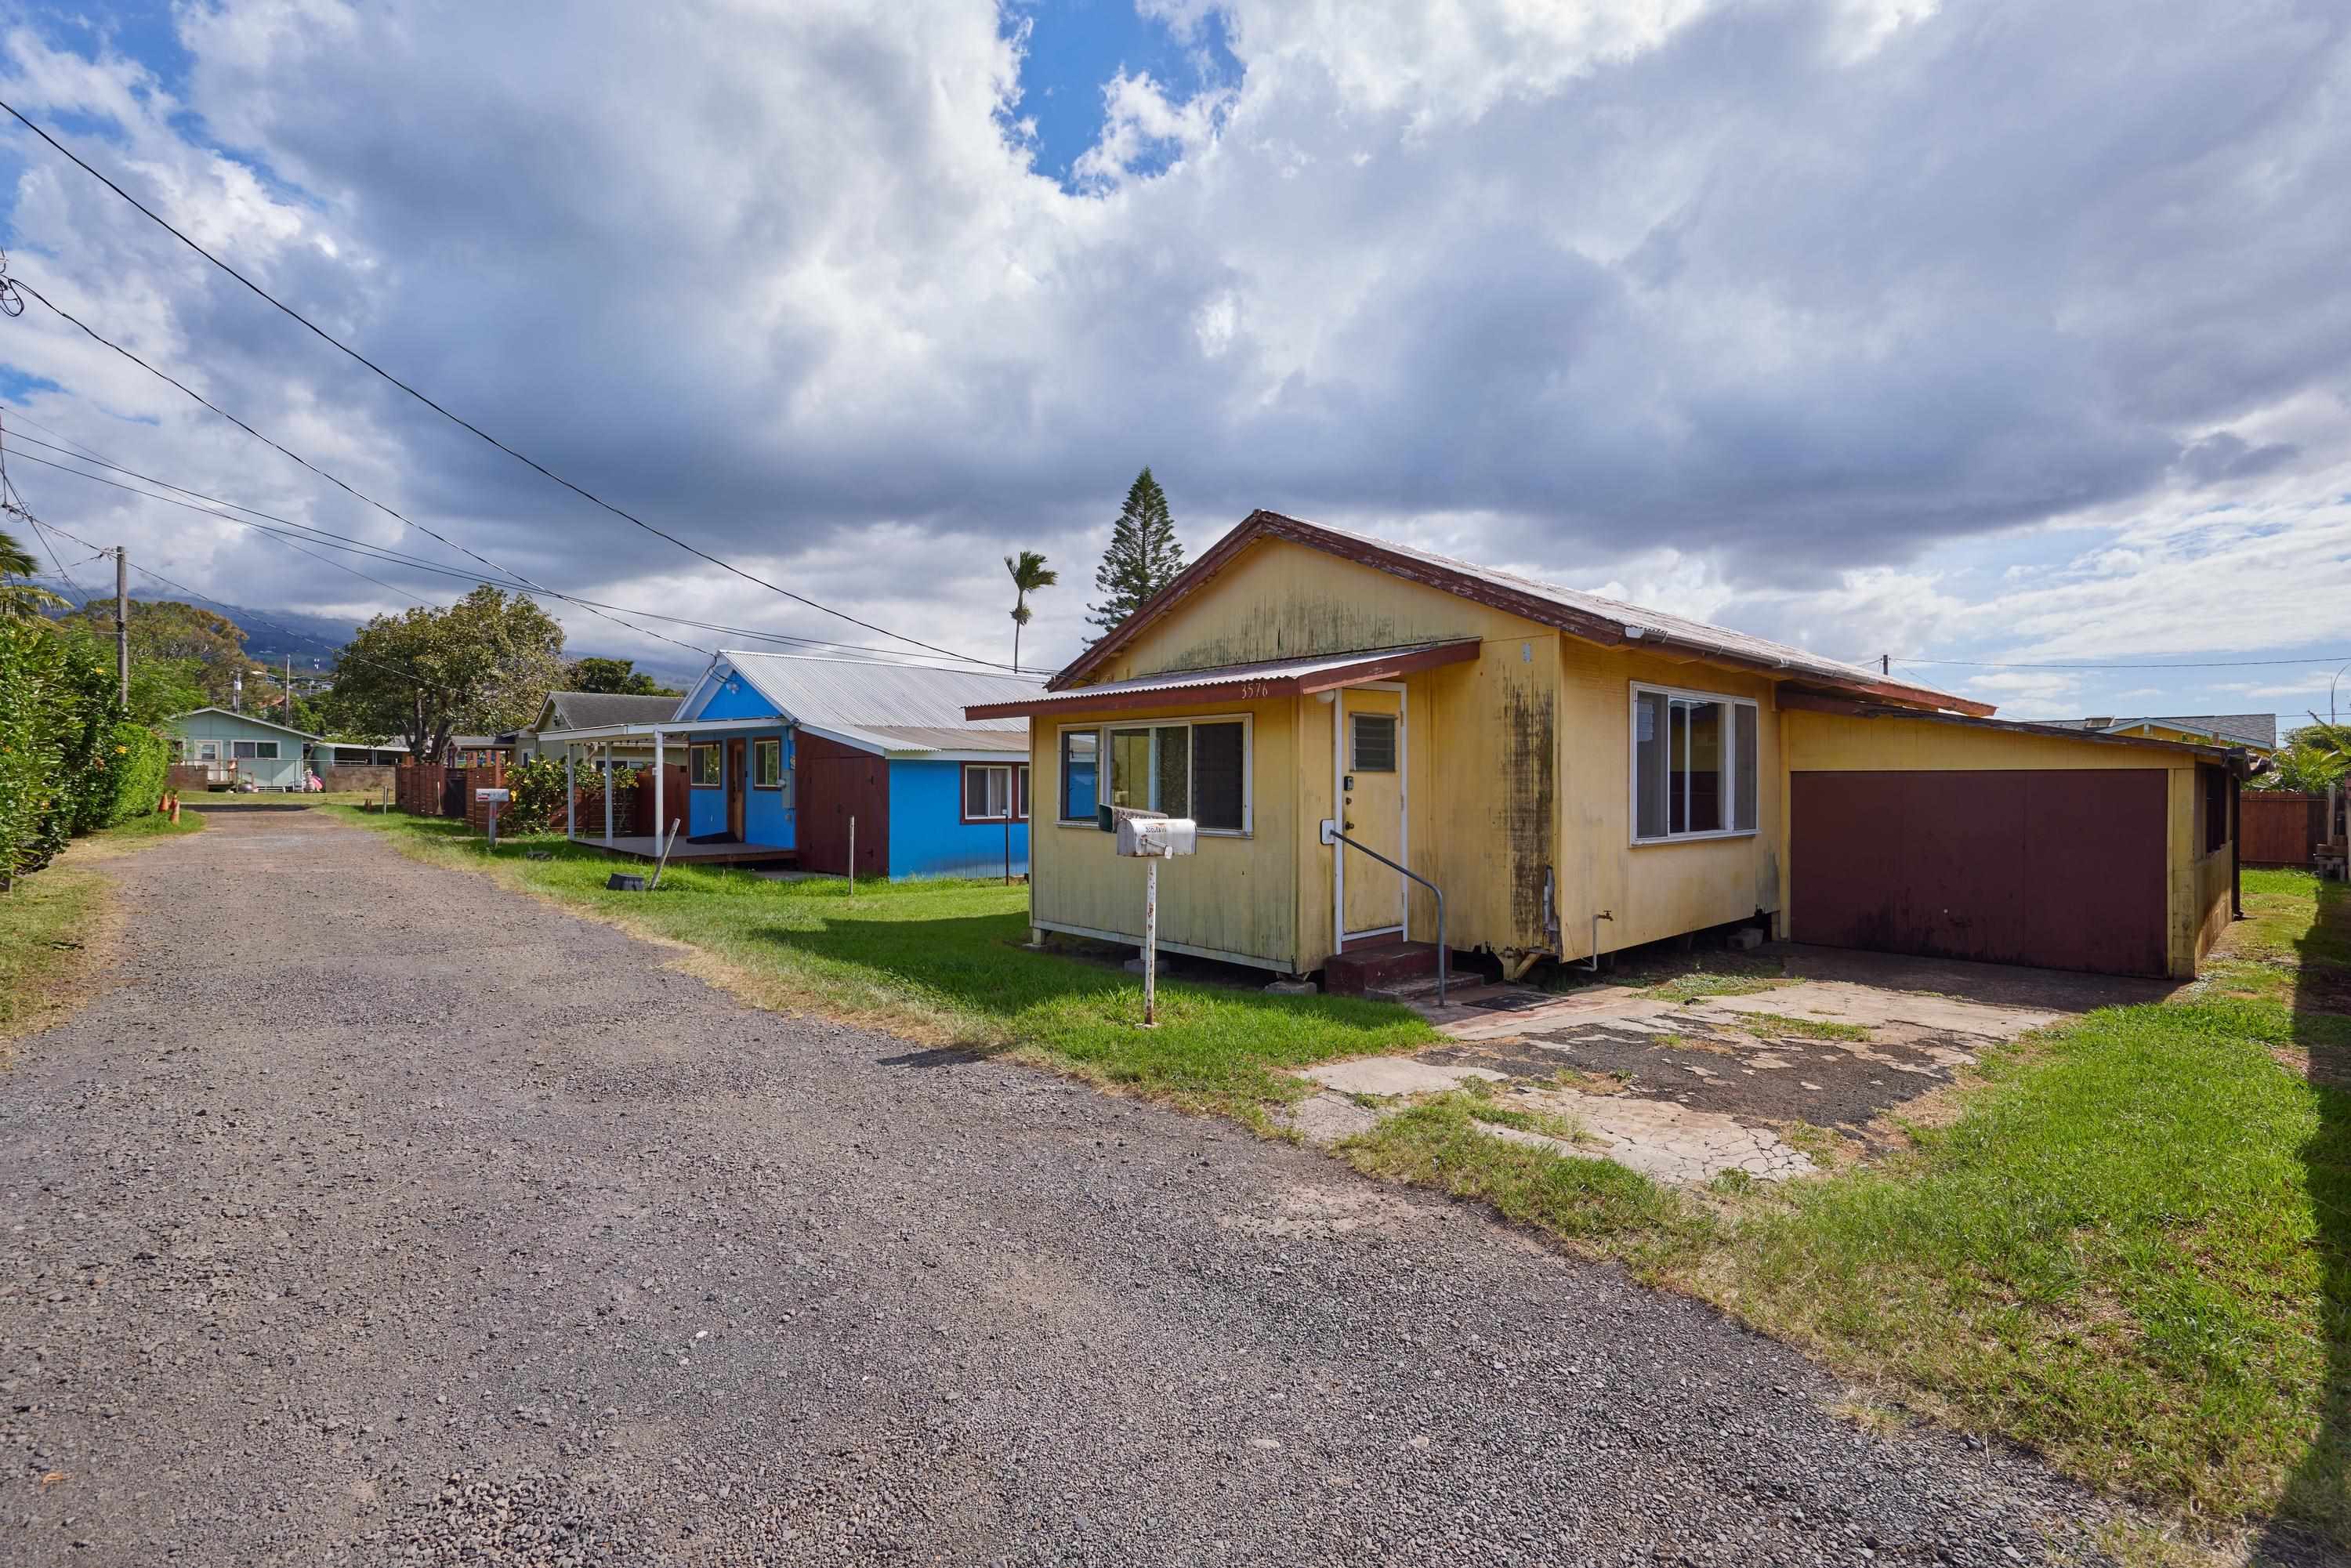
x: 1143, y: 556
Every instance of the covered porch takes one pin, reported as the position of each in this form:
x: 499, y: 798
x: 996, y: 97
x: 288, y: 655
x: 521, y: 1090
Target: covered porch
x: 714, y: 836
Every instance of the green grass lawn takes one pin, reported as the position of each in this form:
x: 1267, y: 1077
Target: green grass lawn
x: 48, y: 922
x: 941, y: 961
x: 2125, y: 1241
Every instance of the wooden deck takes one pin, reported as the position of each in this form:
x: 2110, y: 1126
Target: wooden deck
x: 644, y: 847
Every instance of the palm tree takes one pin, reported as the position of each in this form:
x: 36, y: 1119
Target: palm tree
x: 21, y: 601
x: 1030, y: 573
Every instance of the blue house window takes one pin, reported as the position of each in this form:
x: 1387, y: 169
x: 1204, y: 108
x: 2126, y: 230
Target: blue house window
x: 703, y: 768
x: 1080, y: 768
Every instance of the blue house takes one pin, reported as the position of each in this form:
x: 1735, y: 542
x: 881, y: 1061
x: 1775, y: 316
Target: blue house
x: 790, y: 756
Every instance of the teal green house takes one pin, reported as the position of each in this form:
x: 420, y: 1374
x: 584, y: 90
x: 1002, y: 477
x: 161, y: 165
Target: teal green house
x: 233, y: 747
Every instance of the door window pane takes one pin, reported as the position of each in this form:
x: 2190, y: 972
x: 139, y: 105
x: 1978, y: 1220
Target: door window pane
x: 1174, y: 795
x: 1077, y: 772
x: 1218, y: 764
x: 1374, y: 748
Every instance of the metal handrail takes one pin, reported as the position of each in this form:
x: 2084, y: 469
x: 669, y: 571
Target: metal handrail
x: 1444, y: 954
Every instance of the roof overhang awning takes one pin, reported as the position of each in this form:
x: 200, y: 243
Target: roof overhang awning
x: 666, y: 727
x: 1237, y: 682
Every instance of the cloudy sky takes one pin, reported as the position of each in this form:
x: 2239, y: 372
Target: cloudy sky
x: 1979, y: 334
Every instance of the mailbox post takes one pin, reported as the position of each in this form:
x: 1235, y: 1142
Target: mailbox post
x: 1152, y: 838
x: 492, y: 798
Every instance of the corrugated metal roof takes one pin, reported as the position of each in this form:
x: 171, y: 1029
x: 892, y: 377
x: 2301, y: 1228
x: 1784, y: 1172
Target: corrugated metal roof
x: 965, y: 737
x: 1591, y: 616
x: 1221, y: 676
x: 1637, y: 621
x: 862, y: 702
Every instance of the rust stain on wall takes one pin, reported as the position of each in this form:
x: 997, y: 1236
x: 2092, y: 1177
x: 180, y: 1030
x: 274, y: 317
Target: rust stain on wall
x: 1529, y: 749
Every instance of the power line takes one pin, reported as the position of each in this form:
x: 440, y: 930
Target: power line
x: 335, y: 343
x: 104, y: 342
x: 890, y: 658
x: 2192, y: 664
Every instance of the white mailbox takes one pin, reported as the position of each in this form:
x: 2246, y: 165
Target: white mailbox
x: 494, y: 797
x: 1156, y: 838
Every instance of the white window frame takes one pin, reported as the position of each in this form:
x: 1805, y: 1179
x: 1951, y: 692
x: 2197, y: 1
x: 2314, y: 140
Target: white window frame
x: 1102, y: 730
x: 758, y: 751
x: 718, y: 779
x: 1014, y: 796
x: 1730, y: 762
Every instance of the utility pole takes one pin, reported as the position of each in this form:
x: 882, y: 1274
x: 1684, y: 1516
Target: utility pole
x: 289, y: 691
x: 1885, y: 664
x: 122, y: 623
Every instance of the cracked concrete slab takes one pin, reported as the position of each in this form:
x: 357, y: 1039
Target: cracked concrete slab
x: 1683, y: 1091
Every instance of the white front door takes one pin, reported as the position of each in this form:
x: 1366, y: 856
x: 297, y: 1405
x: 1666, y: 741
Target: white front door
x: 1369, y: 764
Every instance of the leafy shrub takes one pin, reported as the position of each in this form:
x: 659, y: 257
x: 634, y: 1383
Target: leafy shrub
x: 538, y: 803
x: 70, y: 762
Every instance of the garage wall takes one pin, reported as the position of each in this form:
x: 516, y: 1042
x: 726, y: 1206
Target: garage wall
x: 2057, y: 874
x: 2064, y: 869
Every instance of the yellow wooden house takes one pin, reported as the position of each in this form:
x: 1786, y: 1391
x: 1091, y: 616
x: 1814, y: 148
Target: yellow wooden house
x: 1578, y: 777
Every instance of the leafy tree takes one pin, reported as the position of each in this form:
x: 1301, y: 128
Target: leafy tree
x: 161, y: 688
x: 619, y: 677
x: 1030, y: 573
x: 2313, y: 758
x: 21, y: 599
x: 485, y: 663
x: 166, y: 628
x: 1143, y: 556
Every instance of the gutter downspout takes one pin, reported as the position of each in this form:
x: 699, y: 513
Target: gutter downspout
x: 2236, y: 846
x: 1592, y: 964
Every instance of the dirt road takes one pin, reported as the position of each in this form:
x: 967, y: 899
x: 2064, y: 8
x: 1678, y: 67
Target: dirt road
x: 367, y: 1174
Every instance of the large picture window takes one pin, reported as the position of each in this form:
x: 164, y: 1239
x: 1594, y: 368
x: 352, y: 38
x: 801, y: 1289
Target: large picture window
x: 1187, y: 767
x: 992, y: 792
x: 254, y: 750
x: 703, y: 769
x: 1694, y: 757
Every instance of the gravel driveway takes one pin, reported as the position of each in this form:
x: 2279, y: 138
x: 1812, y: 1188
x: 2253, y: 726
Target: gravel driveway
x: 380, y: 1215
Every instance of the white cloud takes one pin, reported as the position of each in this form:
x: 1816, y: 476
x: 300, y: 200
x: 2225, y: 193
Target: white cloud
x: 1755, y: 311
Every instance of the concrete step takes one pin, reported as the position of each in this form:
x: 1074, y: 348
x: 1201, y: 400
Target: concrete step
x: 1357, y: 970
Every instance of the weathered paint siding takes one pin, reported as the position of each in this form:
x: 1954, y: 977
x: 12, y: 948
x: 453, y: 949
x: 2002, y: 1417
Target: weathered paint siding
x: 1657, y: 890
x: 929, y: 836
x: 1236, y: 896
x: 1480, y: 741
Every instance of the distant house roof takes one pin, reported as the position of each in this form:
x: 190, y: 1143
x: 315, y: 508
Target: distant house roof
x: 895, y: 710
x: 241, y: 718
x: 593, y: 710
x: 2255, y: 729
x: 1608, y: 622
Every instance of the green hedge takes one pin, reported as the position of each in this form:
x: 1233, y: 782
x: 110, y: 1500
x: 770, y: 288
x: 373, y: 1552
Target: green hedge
x: 70, y: 762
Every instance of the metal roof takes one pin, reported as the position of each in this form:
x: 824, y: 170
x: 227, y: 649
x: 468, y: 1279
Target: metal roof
x: 1246, y: 683
x: 1589, y: 616
x: 897, y: 710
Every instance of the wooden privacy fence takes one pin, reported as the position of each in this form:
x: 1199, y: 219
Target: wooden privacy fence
x: 428, y: 789
x: 2280, y: 827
